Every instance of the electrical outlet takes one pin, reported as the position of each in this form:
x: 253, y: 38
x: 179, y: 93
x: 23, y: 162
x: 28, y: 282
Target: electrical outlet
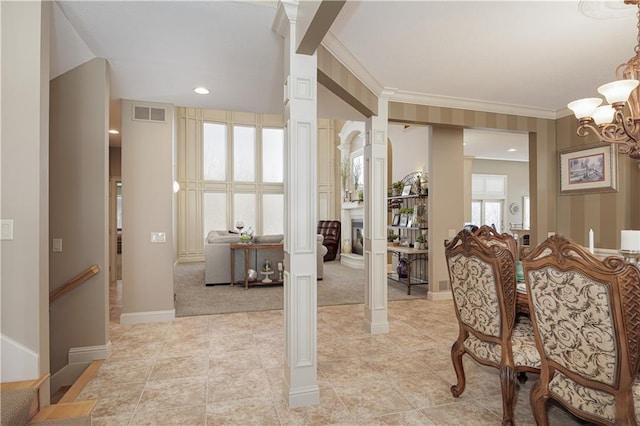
x: 158, y: 237
x: 452, y: 233
x: 7, y: 229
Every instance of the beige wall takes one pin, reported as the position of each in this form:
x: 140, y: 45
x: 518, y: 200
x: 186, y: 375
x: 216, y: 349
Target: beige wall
x: 24, y: 180
x: 605, y: 213
x: 147, y: 197
x: 79, y: 198
x: 446, y: 200
x: 542, y: 149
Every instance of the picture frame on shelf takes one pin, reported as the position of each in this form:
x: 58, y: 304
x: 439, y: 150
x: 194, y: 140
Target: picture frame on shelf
x: 409, y: 222
x: 406, y: 190
x: 403, y: 220
x: 588, y: 170
x: 396, y: 220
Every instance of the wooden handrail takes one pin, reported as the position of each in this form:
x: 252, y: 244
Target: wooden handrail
x: 74, y: 282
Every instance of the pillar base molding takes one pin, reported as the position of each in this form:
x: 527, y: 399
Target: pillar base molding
x: 302, y: 397
x: 376, y: 327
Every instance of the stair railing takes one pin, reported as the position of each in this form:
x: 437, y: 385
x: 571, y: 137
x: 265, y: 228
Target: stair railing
x: 73, y: 283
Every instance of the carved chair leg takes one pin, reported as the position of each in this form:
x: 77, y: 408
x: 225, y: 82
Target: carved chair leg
x: 539, y: 404
x: 508, y: 384
x: 457, y: 350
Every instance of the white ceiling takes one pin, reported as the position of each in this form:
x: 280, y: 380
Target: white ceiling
x: 528, y: 57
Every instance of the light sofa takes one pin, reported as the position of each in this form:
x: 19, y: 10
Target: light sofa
x: 217, y: 256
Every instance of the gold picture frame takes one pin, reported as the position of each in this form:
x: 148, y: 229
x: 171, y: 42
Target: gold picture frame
x: 589, y: 169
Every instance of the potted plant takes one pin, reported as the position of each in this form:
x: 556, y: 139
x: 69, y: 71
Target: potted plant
x: 419, y: 242
x: 361, y: 195
x: 391, y: 236
x: 396, y: 188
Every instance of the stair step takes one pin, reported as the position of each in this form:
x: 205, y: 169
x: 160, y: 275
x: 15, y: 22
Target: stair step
x: 71, y: 410
x: 82, y: 381
x: 21, y: 399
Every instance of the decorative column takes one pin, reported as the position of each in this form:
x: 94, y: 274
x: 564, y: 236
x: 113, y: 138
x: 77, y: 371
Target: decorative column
x: 375, y: 220
x: 300, y: 233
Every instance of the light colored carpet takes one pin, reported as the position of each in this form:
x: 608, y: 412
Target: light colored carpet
x: 340, y: 286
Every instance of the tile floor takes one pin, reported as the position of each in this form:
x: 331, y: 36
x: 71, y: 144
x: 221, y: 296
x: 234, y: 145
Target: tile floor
x: 228, y: 370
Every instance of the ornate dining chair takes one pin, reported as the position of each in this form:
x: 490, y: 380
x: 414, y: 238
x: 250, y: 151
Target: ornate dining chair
x: 586, y: 320
x: 483, y: 285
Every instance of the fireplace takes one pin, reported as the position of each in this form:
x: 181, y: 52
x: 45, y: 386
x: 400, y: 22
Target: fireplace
x: 357, y: 237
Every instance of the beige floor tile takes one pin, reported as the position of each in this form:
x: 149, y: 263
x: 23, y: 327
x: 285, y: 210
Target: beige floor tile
x: 186, y: 416
x: 173, y: 393
x: 242, y: 411
x: 125, y: 371
x: 372, y: 399
x: 468, y: 414
x: 227, y: 385
x: 178, y: 367
x: 229, y: 369
x: 113, y: 399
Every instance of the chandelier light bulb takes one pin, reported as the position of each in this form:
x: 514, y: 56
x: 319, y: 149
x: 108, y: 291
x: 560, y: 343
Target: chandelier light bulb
x: 584, y: 108
x: 603, y: 114
x: 618, y: 91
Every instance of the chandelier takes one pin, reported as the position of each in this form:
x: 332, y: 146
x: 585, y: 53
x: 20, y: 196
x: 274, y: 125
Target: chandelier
x: 609, y: 122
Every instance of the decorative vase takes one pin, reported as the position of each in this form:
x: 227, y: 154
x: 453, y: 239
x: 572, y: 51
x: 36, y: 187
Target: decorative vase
x: 403, y: 268
x: 346, y: 247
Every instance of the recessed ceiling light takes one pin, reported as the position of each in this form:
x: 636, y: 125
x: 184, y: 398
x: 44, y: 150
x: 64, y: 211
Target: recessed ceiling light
x: 512, y: 150
x: 114, y: 132
x: 201, y: 90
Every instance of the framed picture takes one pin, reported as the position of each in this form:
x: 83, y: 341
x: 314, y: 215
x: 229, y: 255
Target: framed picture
x: 409, y: 222
x: 403, y: 220
x: 406, y: 190
x: 586, y: 170
x: 396, y: 220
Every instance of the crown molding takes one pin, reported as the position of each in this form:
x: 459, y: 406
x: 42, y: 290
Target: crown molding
x: 469, y: 104
x: 346, y: 58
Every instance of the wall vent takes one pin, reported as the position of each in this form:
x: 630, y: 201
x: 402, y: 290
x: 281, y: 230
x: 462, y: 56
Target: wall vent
x: 144, y: 113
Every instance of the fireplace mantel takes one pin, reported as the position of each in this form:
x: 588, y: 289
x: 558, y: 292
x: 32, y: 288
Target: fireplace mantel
x: 351, y: 210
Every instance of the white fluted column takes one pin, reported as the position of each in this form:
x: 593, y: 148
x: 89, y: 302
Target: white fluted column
x: 300, y: 304
x: 375, y: 221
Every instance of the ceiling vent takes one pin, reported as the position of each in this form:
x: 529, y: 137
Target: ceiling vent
x: 144, y: 113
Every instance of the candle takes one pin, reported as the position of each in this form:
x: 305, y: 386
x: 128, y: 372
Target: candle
x: 591, y: 240
x: 630, y: 240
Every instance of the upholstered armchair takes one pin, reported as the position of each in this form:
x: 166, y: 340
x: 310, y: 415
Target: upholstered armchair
x: 586, y: 321
x: 330, y: 230
x: 483, y: 284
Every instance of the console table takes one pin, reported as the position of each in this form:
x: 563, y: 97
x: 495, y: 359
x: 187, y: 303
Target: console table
x: 412, y: 255
x: 245, y: 249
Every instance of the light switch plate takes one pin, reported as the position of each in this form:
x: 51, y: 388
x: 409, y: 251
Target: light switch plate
x: 158, y: 237
x: 6, y: 226
x: 452, y: 233
x: 57, y: 245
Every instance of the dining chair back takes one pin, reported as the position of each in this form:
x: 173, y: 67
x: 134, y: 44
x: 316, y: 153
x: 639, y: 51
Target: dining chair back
x: 483, y: 284
x: 586, y: 319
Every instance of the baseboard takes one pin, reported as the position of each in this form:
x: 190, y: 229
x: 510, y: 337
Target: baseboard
x: 302, y: 397
x: 18, y: 361
x: 67, y: 375
x: 149, y: 316
x: 439, y: 295
x: 89, y: 353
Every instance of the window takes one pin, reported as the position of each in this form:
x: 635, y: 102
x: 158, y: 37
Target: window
x: 489, y: 193
x: 273, y: 155
x: 251, y: 188
x: 244, y: 154
x: 487, y: 212
x: 214, y: 151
